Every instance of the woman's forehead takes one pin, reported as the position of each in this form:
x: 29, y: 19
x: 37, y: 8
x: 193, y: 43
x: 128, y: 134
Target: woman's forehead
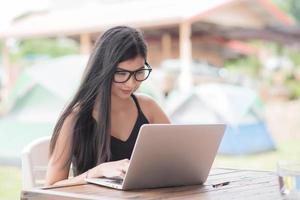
x: 132, y: 64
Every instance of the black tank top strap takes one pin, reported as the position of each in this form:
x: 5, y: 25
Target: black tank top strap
x: 136, y: 103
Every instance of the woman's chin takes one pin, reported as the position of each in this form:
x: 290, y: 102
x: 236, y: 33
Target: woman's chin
x: 123, y: 95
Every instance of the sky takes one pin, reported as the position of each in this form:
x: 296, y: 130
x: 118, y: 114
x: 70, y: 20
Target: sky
x: 12, y: 8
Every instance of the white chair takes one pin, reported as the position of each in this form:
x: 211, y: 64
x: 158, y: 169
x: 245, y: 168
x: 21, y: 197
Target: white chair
x: 34, y: 162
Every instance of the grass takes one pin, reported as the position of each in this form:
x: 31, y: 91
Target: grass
x: 10, y: 183
x: 286, y: 149
x: 10, y: 177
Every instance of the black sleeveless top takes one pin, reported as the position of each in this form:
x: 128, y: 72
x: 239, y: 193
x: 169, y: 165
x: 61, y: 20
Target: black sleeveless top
x: 123, y: 149
x: 119, y: 149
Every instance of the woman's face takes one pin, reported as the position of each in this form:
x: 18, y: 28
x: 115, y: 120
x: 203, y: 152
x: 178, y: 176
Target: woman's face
x: 124, y: 90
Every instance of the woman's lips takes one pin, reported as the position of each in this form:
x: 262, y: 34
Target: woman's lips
x: 126, y: 91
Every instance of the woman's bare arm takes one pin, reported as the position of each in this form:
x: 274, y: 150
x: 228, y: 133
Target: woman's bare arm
x: 59, y: 165
x: 59, y: 161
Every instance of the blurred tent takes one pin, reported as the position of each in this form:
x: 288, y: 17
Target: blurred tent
x: 44, y: 87
x: 239, y: 107
x: 36, y: 101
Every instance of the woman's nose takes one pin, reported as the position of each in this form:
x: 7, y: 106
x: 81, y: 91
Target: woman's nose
x: 131, y: 82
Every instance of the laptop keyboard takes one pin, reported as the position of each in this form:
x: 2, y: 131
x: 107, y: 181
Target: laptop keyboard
x: 114, y: 180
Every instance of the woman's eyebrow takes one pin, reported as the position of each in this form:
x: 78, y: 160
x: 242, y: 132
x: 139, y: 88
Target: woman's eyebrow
x: 121, y: 69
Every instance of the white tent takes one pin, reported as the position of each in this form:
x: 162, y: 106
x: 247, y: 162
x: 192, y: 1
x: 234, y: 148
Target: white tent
x: 239, y: 107
x: 36, y: 102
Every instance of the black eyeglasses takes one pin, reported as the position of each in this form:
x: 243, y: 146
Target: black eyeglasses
x: 121, y: 75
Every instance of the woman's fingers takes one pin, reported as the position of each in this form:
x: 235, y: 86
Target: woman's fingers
x: 120, y: 174
x: 124, y: 165
x: 115, y: 168
x: 123, y: 169
x: 123, y: 174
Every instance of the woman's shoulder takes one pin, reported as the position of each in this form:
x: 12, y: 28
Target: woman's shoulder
x: 150, y: 108
x: 145, y: 100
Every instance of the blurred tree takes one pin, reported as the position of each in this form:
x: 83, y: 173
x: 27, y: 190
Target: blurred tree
x: 295, y: 9
x: 248, y: 65
x: 283, y: 4
x: 293, y: 55
x: 293, y: 85
x: 292, y: 7
x: 34, y: 48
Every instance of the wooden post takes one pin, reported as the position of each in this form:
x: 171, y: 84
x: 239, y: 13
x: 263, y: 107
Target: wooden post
x: 7, y: 74
x: 185, y: 78
x: 85, y: 43
x: 166, y: 41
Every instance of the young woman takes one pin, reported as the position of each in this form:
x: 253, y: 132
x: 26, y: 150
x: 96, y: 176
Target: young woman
x: 97, y: 131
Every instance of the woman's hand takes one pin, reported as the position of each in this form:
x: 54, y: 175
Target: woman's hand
x: 115, y: 169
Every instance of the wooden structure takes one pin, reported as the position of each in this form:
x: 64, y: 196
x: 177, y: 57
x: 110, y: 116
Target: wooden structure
x: 221, y: 184
x: 173, y: 28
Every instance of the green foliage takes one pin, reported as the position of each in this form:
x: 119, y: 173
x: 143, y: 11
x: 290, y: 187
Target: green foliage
x: 283, y: 4
x: 295, y: 9
x: 247, y: 65
x: 294, y: 87
x: 293, y: 55
x: 291, y: 7
x: 29, y: 49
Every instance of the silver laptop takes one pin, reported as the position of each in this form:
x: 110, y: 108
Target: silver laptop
x: 169, y: 155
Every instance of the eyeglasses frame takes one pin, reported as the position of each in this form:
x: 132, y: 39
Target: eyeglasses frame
x: 134, y: 72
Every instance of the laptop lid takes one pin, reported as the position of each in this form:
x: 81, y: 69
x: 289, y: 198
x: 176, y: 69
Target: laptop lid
x: 173, y: 155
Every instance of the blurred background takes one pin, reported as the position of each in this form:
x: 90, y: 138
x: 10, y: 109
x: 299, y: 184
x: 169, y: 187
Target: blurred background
x: 218, y: 61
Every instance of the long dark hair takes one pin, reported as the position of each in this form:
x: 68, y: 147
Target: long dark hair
x: 91, y: 140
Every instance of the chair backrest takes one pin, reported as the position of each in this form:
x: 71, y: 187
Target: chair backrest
x: 34, y: 162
